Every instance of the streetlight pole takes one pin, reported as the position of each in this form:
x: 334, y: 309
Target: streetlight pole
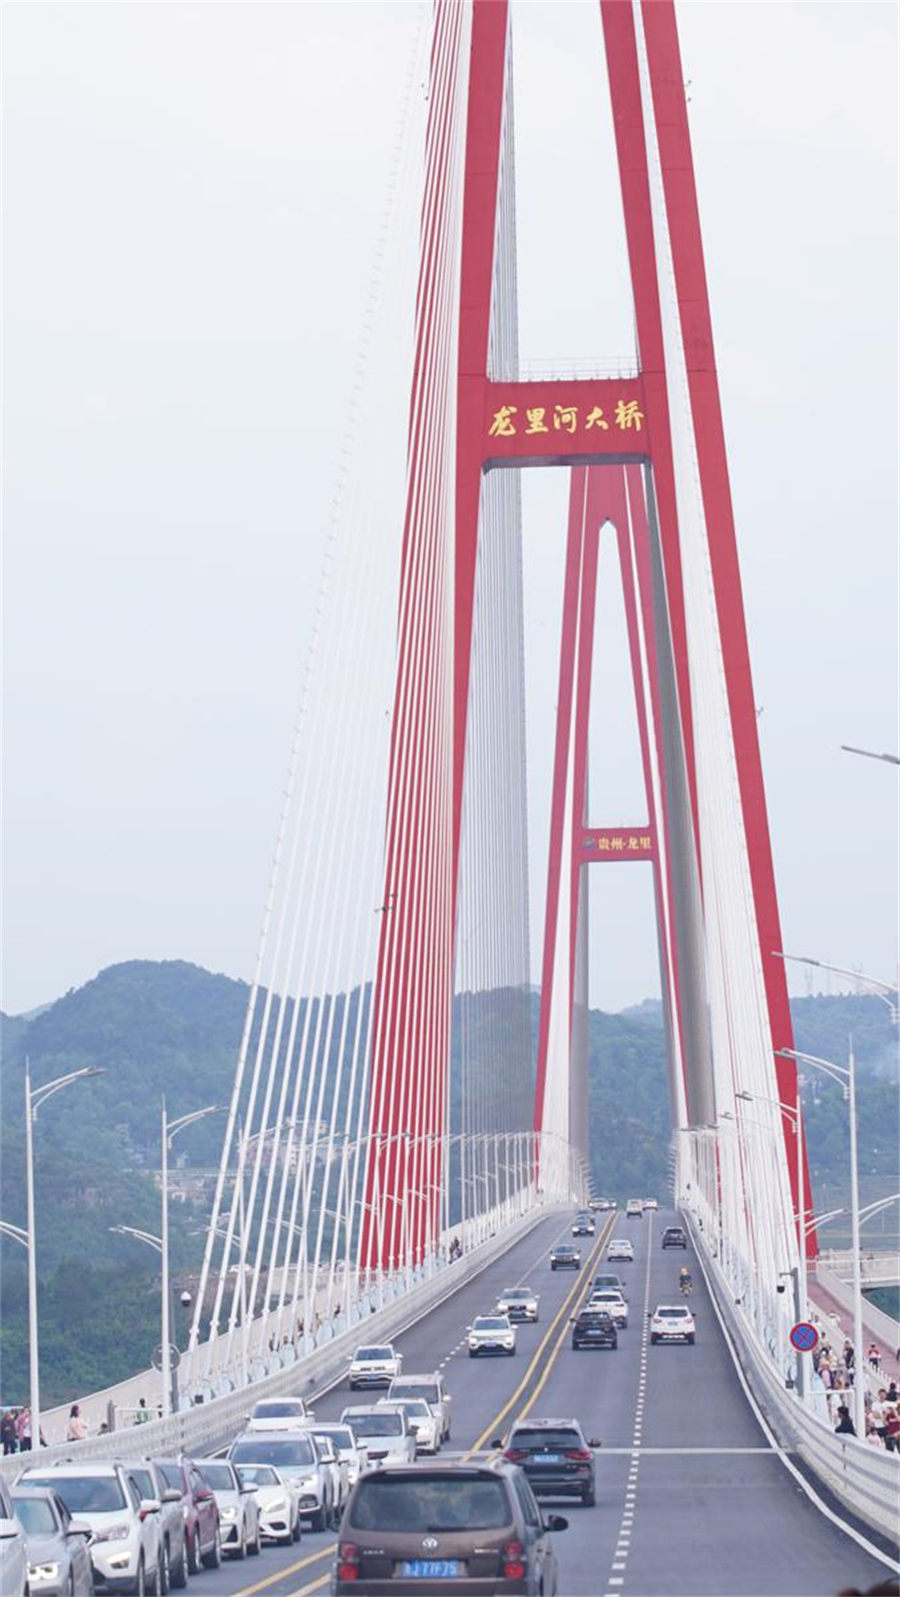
x: 847, y: 1075
x: 34, y: 1098
x: 168, y: 1130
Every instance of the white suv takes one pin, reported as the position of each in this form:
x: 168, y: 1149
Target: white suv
x: 125, y: 1542
x: 374, y: 1366
x: 279, y: 1414
x: 13, y: 1561
x: 672, y: 1322
x: 435, y: 1393
x: 491, y: 1333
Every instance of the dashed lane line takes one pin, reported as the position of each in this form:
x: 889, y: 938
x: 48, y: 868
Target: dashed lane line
x: 619, y: 1565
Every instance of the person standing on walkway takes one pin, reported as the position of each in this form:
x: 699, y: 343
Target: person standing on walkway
x: 143, y: 1413
x: 845, y: 1425
x: 77, y: 1430
x: 8, y: 1431
x: 874, y: 1356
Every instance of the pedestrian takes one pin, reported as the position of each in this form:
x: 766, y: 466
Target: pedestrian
x: 849, y: 1353
x: 892, y: 1430
x: 845, y: 1425
x: 23, y: 1429
x: 874, y: 1356
x: 8, y: 1435
x: 104, y: 1429
x: 143, y: 1413
x: 77, y: 1430
x: 892, y: 1395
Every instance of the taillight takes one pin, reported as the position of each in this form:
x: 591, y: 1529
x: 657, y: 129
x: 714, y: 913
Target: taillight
x: 515, y: 1454
x: 514, y: 1566
x: 348, y: 1561
x: 582, y: 1454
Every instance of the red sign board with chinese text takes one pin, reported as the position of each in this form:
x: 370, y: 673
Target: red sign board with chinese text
x: 579, y: 420
x: 617, y: 843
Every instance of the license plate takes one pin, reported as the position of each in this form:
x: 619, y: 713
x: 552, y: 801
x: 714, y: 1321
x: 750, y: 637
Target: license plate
x: 431, y: 1568
x: 547, y: 1458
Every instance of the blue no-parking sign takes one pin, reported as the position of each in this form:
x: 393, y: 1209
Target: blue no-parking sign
x: 804, y: 1336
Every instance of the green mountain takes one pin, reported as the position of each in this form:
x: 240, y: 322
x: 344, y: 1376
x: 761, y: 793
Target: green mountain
x: 174, y: 1029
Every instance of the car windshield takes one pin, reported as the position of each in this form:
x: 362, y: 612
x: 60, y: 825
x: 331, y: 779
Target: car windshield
x: 171, y: 1474
x: 546, y: 1440
x: 426, y: 1390
x: 379, y: 1353
x: 218, y: 1477
x: 594, y: 1317
x: 608, y: 1297
x: 414, y: 1405
x: 387, y: 1424
x: 258, y: 1475
x: 674, y: 1233
x: 278, y: 1411
x: 565, y: 1251
x: 671, y: 1314
x: 35, y: 1515
x: 85, y: 1494
x: 341, y: 1435
x: 488, y: 1324
x: 434, y: 1503
x: 144, y: 1482
x: 284, y: 1452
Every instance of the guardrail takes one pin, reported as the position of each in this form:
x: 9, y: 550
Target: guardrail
x: 210, y: 1425
x: 874, y: 1319
x: 865, y: 1481
x: 876, y: 1269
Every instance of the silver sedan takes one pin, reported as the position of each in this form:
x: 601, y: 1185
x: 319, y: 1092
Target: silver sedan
x: 57, y: 1545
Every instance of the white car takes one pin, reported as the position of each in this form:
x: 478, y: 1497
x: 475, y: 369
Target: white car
x: 435, y: 1393
x: 651, y: 1203
x: 672, y: 1322
x: 620, y: 1248
x: 238, y: 1507
x: 352, y: 1456
x: 519, y: 1303
x: 279, y: 1414
x: 374, y: 1366
x: 277, y: 1499
x: 491, y: 1333
x: 296, y: 1457
x: 422, y: 1422
x: 634, y: 1209
x: 125, y: 1527
x: 385, y: 1431
x: 612, y: 1302
x: 13, y: 1557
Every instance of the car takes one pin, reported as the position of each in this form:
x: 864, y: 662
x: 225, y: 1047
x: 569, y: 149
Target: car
x: 491, y: 1333
x: 13, y: 1549
x: 565, y: 1258
x: 634, y: 1209
x: 594, y: 1328
x: 238, y: 1507
x: 674, y: 1237
x: 279, y: 1414
x: 374, y: 1366
x: 351, y: 1452
x: 385, y: 1430
x: 454, y: 1527
x: 609, y: 1283
x: 422, y: 1421
x: 651, y: 1203
x: 331, y: 1462
x: 605, y: 1204
x: 200, y: 1511
x: 614, y: 1304
x: 433, y: 1388
x: 277, y: 1499
x: 594, y: 1204
x: 297, y: 1460
x: 673, y: 1322
x: 58, y: 1558
x: 152, y: 1484
x: 554, y: 1457
x: 519, y: 1303
x: 124, y: 1528
x: 583, y: 1226
x: 620, y: 1249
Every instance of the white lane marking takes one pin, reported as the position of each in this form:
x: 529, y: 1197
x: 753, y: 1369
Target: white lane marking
x: 623, y: 1543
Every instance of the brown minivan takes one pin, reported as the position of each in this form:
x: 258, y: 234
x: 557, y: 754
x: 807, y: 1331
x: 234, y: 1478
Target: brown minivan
x: 467, y: 1530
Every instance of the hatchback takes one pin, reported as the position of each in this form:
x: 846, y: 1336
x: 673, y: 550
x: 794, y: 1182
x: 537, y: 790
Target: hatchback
x: 453, y: 1528
x: 59, y: 1563
x: 555, y: 1457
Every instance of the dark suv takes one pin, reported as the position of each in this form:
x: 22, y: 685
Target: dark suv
x: 565, y: 1258
x: 674, y: 1237
x: 201, y: 1512
x: 455, y: 1527
x: 594, y: 1328
x: 555, y: 1457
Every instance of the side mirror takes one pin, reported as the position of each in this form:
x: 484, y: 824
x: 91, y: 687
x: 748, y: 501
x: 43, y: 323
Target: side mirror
x: 556, y: 1522
x: 171, y: 1495
x: 497, y: 1442
x: 10, y: 1528
x: 148, y: 1505
x: 249, y: 1487
x: 77, y: 1527
x: 203, y: 1495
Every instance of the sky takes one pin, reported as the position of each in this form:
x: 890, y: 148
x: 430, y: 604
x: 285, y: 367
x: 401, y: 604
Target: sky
x: 190, y: 199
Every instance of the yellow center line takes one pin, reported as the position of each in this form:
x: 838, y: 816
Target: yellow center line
x: 288, y: 1569
x: 577, y: 1287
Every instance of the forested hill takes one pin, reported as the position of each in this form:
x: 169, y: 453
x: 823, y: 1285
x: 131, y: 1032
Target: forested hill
x: 172, y: 1028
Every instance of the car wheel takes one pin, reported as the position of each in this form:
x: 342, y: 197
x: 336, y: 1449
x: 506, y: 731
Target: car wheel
x: 589, y: 1497
x: 319, y: 1520
x: 691, y: 1339
x: 178, y: 1571
x: 296, y: 1529
x: 70, y: 1585
x: 255, y: 1547
x: 154, y: 1587
x: 165, y: 1573
x: 653, y: 1339
x: 140, y: 1589
x: 240, y: 1550
x: 193, y: 1556
x: 213, y: 1558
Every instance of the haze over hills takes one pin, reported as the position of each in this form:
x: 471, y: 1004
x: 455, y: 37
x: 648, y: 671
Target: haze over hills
x: 173, y: 1028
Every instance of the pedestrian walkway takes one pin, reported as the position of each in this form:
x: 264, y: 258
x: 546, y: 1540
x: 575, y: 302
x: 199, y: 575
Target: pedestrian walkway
x: 831, y: 1310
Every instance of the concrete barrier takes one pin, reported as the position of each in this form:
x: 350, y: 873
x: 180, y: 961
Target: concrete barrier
x: 210, y: 1425
x: 874, y: 1319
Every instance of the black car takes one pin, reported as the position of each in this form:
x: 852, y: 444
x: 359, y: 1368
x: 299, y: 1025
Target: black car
x: 674, y: 1237
x: 594, y: 1328
x: 555, y: 1458
x: 565, y: 1258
